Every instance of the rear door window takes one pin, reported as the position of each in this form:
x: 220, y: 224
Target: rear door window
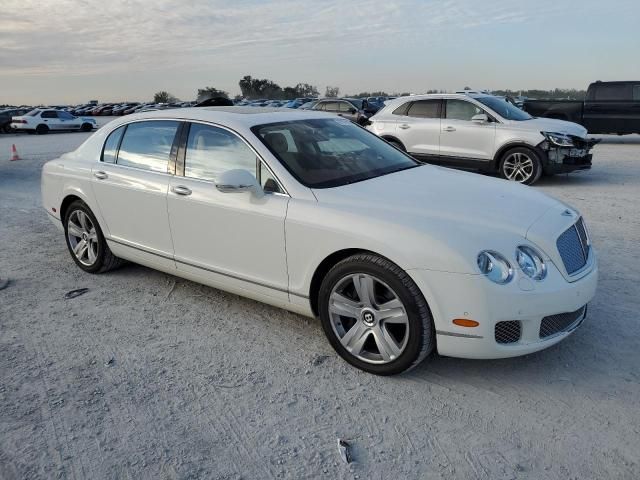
x: 147, y: 145
x: 613, y: 92
x: 636, y: 93
x: 49, y: 114
x: 402, y: 109
x: 425, y: 109
x: 110, y: 149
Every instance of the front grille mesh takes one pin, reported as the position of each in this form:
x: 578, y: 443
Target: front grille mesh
x: 560, y: 322
x: 573, y: 246
x: 508, y: 331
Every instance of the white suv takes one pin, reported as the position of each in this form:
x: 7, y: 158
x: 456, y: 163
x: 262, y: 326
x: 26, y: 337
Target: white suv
x: 483, y: 132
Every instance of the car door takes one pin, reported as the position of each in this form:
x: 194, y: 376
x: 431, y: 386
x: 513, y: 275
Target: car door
x: 462, y: 140
x: 68, y: 121
x: 418, y: 127
x: 227, y: 239
x: 50, y: 119
x: 611, y: 108
x: 130, y: 183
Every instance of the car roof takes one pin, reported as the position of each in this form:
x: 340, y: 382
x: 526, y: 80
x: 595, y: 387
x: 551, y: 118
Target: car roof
x: 240, y: 117
x: 434, y: 96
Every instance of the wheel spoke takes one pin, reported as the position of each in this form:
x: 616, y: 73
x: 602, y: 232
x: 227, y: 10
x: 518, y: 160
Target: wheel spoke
x: 364, y: 288
x: 354, y: 339
x: 79, y: 248
x: 341, y: 305
x: 84, y: 221
x: 93, y: 236
x: 74, y: 229
x: 91, y: 252
x: 392, y: 312
x: 386, y: 345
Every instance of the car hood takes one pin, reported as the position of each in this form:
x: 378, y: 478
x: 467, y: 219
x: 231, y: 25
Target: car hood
x: 455, y: 213
x: 552, y: 125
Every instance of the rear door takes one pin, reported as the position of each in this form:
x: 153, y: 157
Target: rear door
x: 131, y: 182
x: 50, y: 119
x: 463, y: 141
x: 418, y: 128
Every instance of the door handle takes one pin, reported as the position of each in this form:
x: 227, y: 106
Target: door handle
x: 100, y: 175
x: 449, y: 129
x: 404, y: 126
x: 181, y: 190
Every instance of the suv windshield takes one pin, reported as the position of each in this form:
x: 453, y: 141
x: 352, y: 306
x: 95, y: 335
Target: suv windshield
x: 505, y: 109
x: 324, y: 153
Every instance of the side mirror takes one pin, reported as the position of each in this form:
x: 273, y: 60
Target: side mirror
x: 238, y: 181
x: 480, y: 118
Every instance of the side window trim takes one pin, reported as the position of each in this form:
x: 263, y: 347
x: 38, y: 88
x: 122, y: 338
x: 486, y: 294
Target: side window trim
x: 259, y: 159
x: 172, y: 154
x: 104, y: 144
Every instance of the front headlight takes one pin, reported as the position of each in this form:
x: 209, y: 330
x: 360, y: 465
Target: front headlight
x: 495, y: 267
x: 558, y: 139
x: 531, y: 262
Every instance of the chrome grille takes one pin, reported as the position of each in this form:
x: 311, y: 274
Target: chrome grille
x: 560, y: 322
x: 508, y: 331
x: 573, y: 247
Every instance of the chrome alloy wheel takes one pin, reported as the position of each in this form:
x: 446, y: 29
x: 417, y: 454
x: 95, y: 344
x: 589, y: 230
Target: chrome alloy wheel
x: 82, y: 237
x: 368, y: 318
x: 518, y: 167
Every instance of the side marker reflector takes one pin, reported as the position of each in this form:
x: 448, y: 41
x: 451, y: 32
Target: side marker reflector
x: 465, y: 322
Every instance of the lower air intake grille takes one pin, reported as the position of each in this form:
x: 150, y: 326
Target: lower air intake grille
x: 508, y: 332
x: 560, y: 322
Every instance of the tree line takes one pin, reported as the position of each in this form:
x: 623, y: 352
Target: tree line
x: 254, y: 88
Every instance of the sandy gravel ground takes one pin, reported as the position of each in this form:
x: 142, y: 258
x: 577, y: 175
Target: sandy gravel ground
x: 148, y: 376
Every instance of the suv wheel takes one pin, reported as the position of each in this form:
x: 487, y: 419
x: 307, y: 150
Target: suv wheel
x: 375, y: 316
x: 521, y: 165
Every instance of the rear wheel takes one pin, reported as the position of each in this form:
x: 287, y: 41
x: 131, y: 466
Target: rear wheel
x: 42, y: 129
x: 521, y: 165
x: 86, y: 127
x: 396, y: 144
x: 85, y: 240
x: 374, y: 315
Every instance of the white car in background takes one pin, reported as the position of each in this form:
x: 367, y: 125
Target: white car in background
x: 483, y: 132
x: 47, y: 120
x: 314, y: 214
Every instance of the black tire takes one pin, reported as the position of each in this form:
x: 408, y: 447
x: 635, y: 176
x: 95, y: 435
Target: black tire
x: 86, y: 127
x: 105, y: 259
x: 532, y: 155
x: 396, y: 144
x: 421, y: 330
x: 42, y: 129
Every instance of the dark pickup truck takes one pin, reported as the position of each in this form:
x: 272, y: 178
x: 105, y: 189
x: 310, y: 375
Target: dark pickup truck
x: 610, y: 107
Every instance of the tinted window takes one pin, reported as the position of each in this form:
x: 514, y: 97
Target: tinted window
x: 211, y: 151
x: 402, y: 109
x: 147, y: 145
x: 49, y: 114
x: 425, y: 109
x: 331, y: 152
x: 65, y: 115
x: 636, y: 92
x: 111, y: 146
x: 612, y: 92
x: 461, y: 110
x: 345, y: 107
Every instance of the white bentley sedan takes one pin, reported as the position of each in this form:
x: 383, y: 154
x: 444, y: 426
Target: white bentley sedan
x: 314, y: 214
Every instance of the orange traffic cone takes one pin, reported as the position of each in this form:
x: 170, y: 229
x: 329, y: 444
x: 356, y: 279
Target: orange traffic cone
x: 14, y: 153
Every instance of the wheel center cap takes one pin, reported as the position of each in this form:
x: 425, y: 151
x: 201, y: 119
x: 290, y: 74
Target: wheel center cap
x: 368, y: 318
x: 85, y: 237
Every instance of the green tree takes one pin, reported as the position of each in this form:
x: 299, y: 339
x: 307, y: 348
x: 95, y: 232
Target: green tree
x: 163, y: 97
x: 210, y: 92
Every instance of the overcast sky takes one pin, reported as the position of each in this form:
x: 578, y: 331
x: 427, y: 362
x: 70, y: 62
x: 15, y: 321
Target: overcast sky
x: 71, y: 51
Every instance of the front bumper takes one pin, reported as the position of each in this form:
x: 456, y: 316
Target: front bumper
x: 568, y: 159
x: 474, y: 297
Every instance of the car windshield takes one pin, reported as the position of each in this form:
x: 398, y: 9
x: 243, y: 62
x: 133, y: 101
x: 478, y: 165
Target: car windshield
x: 506, y: 110
x: 325, y: 153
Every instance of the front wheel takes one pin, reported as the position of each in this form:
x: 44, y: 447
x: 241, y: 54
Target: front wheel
x: 374, y: 315
x: 521, y: 165
x: 85, y: 240
x: 42, y: 129
x: 86, y: 127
